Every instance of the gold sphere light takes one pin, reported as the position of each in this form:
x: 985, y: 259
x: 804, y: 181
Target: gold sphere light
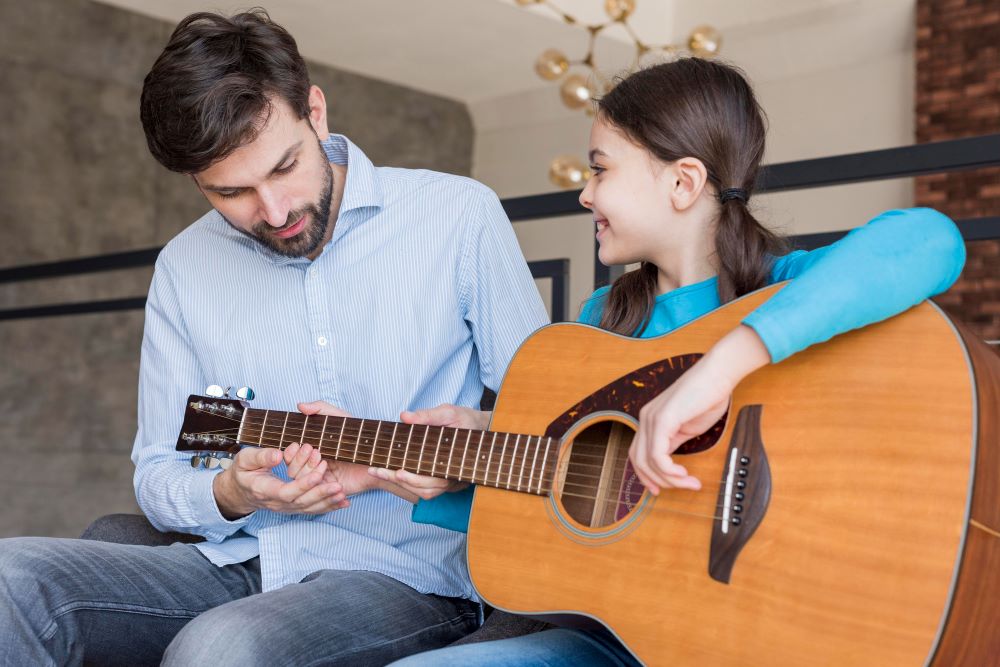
x: 576, y: 92
x: 619, y: 10
x: 568, y: 171
x: 705, y: 41
x: 579, y: 88
x: 552, y: 64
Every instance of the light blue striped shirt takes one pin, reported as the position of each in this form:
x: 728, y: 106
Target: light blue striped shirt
x: 421, y: 297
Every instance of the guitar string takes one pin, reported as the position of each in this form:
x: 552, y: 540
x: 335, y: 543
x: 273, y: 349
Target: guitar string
x: 489, y: 472
x: 385, y: 459
x: 492, y: 469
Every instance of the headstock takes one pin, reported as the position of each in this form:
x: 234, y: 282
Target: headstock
x: 211, y: 425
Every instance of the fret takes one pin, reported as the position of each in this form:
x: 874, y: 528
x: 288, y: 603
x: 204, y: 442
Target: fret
x: 371, y: 461
x: 263, y: 427
x: 520, y: 475
x: 513, y: 457
x: 451, y: 452
x: 357, y: 443
x: 302, y: 438
x: 489, y: 459
x: 548, y: 443
x: 343, y: 423
x: 319, y: 447
x: 436, y: 450
x: 420, y: 459
x: 475, y: 466
x: 465, y: 452
x: 533, y: 460
x: 239, y: 432
x: 392, y: 444
x: 281, y: 439
x: 406, y: 452
x: 502, y: 452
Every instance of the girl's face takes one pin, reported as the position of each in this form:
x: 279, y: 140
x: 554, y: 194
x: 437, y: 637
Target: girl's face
x: 629, y: 193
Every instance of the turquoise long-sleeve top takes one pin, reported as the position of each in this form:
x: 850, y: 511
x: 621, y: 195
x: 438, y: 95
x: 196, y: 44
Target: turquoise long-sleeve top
x: 878, y: 270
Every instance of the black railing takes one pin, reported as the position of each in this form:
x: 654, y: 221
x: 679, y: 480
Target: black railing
x: 907, y: 161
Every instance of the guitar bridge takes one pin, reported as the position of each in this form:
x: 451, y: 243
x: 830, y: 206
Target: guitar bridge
x: 744, y: 495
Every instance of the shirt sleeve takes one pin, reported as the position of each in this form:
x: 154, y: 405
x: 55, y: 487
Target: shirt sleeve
x: 593, y: 307
x: 497, y: 294
x: 892, y: 263
x: 502, y: 307
x: 173, y: 495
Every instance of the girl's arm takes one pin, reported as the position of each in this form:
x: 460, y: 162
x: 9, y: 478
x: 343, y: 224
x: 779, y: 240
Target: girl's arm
x: 883, y: 268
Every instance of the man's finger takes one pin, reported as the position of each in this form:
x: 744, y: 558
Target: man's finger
x: 254, y: 458
x: 321, y: 408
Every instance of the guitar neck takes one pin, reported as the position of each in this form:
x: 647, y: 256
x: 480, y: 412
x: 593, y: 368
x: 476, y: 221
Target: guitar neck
x: 511, y: 461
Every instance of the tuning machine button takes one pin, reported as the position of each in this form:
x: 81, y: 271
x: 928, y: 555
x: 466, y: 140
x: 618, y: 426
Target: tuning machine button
x: 211, y: 462
x: 225, y: 461
x: 196, y: 461
x: 215, y: 391
x: 245, y: 393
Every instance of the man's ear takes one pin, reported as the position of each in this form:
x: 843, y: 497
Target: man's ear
x: 317, y: 112
x: 689, y: 177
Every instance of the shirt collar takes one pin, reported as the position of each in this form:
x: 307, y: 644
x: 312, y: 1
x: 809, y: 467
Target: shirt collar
x: 362, y: 188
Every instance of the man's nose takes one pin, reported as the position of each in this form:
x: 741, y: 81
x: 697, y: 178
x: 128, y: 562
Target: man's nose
x: 273, y: 206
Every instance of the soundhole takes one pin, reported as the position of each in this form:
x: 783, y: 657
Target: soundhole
x: 595, y: 483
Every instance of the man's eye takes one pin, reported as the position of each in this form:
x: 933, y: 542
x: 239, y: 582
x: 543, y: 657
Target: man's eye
x: 229, y: 194
x: 285, y: 170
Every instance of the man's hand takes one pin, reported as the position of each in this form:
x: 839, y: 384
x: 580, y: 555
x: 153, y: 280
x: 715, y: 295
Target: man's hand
x: 421, y: 486
x: 250, y: 484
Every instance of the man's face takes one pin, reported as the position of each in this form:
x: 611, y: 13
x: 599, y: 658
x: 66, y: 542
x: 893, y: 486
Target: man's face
x: 276, y: 189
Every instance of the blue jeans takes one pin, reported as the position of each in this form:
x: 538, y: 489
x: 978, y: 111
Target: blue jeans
x: 70, y: 601
x: 559, y: 647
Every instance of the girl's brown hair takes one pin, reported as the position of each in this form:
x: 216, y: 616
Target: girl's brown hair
x: 703, y: 109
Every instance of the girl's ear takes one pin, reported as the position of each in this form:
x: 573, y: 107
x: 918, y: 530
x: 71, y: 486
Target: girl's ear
x: 689, y: 177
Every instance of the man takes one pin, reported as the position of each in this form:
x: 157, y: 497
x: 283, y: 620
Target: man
x: 316, y: 276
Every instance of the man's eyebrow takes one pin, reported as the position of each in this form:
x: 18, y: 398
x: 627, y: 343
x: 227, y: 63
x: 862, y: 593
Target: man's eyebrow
x: 277, y: 167
x: 595, y: 152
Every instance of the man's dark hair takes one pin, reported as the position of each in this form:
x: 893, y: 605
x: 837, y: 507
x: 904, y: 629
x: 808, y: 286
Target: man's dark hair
x: 210, y: 90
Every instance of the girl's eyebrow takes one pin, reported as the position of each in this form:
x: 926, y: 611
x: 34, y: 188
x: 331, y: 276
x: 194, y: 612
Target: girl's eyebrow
x: 595, y: 152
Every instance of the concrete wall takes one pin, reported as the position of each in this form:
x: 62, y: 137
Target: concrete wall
x: 76, y: 180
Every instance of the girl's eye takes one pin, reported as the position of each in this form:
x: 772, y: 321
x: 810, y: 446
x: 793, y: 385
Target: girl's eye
x: 594, y: 169
x: 285, y: 170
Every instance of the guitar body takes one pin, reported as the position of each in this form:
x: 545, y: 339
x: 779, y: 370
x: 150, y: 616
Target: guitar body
x: 873, y: 537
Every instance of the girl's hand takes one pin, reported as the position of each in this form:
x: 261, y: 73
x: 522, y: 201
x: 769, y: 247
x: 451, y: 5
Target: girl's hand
x: 690, y: 406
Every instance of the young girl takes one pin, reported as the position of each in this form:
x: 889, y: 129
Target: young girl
x: 675, y: 152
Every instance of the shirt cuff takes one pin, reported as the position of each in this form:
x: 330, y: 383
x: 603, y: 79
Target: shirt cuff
x: 205, y: 509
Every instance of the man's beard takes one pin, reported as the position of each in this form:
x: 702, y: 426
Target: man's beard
x: 307, y: 240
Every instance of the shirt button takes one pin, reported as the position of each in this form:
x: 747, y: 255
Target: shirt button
x: 321, y: 340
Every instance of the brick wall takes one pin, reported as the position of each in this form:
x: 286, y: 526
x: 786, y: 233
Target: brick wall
x: 958, y: 95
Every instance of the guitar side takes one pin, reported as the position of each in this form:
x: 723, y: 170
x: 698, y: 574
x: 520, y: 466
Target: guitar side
x: 870, y: 439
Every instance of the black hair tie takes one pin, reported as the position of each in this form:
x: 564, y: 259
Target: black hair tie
x: 734, y: 193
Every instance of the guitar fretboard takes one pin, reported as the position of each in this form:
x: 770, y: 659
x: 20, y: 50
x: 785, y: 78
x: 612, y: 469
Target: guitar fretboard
x: 511, y: 461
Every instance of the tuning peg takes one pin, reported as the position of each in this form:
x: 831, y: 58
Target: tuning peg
x: 225, y: 461
x: 196, y: 461
x: 211, y: 462
x: 215, y: 391
x: 246, y: 393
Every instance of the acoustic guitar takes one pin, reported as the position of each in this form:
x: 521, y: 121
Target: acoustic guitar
x: 849, y: 515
